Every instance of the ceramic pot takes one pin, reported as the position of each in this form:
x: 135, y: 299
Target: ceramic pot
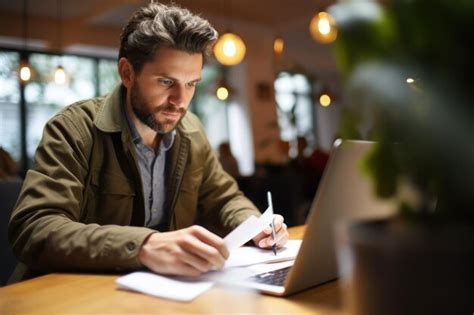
x: 396, y: 267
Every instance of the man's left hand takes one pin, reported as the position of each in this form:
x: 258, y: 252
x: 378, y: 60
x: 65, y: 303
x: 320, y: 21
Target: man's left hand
x: 265, y: 239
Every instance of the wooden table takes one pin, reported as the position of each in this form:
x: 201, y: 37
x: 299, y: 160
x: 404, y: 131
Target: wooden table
x: 62, y: 293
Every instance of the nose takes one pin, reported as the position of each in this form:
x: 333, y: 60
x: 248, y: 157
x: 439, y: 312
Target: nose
x: 177, y: 96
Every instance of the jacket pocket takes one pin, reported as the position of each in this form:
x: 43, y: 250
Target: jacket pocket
x: 109, y: 199
x: 192, y: 180
x: 187, y: 202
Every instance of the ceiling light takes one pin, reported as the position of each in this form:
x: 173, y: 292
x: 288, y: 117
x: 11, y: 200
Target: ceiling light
x: 25, y: 68
x: 278, y: 46
x: 222, y: 93
x: 60, y: 75
x: 323, y: 28
x: 325, y: 100
x: 25, y: 73
x: 229, y: 49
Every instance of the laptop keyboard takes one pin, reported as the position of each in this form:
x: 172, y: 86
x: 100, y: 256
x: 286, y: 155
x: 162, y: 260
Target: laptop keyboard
x: 275, y: 277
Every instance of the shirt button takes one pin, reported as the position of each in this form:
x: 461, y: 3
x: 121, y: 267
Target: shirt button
x: 131, y: 246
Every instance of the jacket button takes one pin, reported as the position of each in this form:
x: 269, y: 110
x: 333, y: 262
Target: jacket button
x: 131, y: 246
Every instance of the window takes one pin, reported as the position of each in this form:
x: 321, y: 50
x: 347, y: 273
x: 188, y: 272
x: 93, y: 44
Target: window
x: 225, y: 121
x: 9, y: 104
x: 87, y: 77
x: 108, y: 76
x: 45, y: 98
x: 211, y: 111
x: 293, y: 95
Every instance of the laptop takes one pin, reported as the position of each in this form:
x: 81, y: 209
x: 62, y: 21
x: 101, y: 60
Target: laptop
x: 343, y: 194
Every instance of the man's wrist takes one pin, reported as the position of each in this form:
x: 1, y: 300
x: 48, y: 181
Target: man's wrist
x: 141, y: 251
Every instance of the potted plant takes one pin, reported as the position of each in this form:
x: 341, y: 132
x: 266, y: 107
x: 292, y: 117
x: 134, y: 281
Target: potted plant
x: 408, y: 68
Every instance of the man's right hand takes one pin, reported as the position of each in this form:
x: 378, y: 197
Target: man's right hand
x: 187, y: 252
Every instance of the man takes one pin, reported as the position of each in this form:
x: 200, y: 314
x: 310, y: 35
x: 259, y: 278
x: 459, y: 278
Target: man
x: 122, y: 181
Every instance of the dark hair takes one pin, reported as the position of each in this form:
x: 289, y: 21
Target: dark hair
x: 156, y: 25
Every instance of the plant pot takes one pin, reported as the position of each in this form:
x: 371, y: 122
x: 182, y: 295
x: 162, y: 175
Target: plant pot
x: 398, y: 267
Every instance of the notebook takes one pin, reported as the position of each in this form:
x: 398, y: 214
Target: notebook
x: 343, y: 194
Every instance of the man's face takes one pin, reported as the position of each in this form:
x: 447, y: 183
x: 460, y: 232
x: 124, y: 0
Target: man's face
x: 160, y: 94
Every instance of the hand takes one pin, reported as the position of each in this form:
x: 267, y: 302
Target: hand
x: 265, y: 239
x: 187, y: 252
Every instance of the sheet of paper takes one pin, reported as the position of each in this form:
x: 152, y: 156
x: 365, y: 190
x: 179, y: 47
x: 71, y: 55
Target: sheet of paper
x: 250, y: 255
x: 165, y: 287
x: 248, y: 230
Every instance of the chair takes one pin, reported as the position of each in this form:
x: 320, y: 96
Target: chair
x: 9, y: 191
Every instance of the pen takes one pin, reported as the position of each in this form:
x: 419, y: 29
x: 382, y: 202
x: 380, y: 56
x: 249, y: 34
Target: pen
x: 274, y: 248
x: 270, y: 204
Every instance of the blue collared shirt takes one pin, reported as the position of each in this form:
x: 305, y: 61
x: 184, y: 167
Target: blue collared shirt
x: 152, y: 170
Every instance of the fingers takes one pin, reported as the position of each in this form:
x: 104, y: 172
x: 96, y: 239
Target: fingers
x: 278, y: 220
x: 282, y: 236
x: 187, y: 252
x: 211, y: 239
x: 209, y: 254
x: 265, y: 239
x: 280, y: 240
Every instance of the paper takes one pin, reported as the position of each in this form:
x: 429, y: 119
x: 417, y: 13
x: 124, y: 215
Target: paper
x: 186, y: 290
x: 248, y: 230
x: 250, y: 255
x: 165, y: 287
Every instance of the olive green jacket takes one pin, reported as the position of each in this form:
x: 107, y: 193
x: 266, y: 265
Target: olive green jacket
x: 82, y: 207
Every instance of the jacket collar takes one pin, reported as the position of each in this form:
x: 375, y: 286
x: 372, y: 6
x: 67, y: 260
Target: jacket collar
x: 110, y: 117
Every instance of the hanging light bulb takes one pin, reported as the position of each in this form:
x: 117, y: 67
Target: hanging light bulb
x: 325, y: 100
x: 59, y: 75
x: 25, y: 68
x: 222, y: 93
x: 25, y: 73
x: 278, y: 46
x: 323, y: 28
x: 223, y: 90
x: 229, y: 49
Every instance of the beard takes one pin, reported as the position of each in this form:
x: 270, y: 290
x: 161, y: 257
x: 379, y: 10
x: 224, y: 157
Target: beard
x: 148, y: 117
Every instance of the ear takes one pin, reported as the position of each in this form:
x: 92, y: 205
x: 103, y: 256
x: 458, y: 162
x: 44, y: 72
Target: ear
x: 125, y: 70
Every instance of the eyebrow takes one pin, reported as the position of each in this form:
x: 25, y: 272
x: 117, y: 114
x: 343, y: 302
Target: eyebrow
x: 164, y: 75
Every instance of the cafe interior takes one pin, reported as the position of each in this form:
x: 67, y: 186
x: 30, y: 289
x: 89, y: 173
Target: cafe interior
x: 285, y: 81
x: 270, y: 103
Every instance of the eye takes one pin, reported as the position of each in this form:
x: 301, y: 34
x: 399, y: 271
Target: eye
x: 191, y: 84
x: 165, y: 82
